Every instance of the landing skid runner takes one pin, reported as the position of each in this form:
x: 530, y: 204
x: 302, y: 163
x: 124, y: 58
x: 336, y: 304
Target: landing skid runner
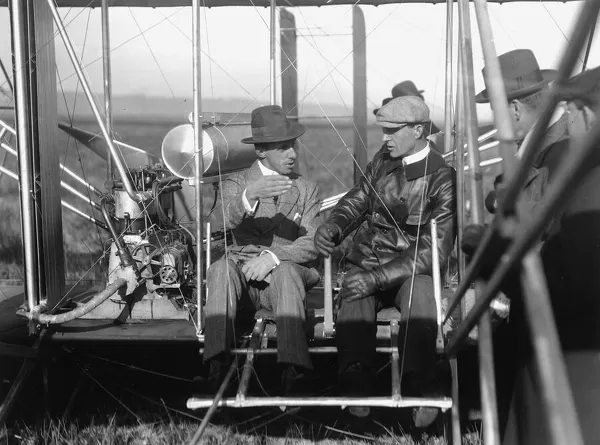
x: 257, y: 344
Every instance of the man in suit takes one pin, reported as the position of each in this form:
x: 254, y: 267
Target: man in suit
x: 405, y: 186
x: 273, y: 214
x: 569, y: 250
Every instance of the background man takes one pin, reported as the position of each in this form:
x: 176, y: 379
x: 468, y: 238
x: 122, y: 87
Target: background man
x: 405, y: 186
x: 570, y: 254
x: 273, y: 214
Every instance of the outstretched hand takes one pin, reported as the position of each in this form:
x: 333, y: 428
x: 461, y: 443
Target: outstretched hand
x: 358, y: 286
x: 267, y: 187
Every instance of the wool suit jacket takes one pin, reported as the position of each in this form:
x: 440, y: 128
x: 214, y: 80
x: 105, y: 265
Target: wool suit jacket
x: 285, y: 226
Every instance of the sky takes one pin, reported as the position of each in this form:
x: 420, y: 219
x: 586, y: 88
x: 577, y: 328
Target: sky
x: 152, y: 51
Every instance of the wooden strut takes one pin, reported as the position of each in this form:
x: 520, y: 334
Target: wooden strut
x: 395, y: 359
x: 444, y: 403
x: 255, y: 343
x: 215, y: 403
x: 551, y: 371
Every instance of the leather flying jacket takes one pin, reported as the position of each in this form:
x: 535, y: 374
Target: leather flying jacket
x: 396, y: 203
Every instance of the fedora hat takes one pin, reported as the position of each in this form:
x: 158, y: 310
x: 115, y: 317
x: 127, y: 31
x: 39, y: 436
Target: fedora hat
x: 521, y: 73
x: 405, y: 88
x: 270, y: 124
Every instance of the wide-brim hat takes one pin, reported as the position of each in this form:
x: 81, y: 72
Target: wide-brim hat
x: 522, y: 75
x: 270, y: 124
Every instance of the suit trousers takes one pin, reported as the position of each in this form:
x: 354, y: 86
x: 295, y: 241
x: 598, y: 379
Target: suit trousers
x: 285, y: 296
x: 356, y: 326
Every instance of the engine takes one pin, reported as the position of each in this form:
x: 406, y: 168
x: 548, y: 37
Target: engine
x: 149, y: 247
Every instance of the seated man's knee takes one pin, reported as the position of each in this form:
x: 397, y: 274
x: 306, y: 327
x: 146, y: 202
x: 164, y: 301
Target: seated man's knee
x: 421, y: 283
x: 222, y: 266
x: 286, y: 271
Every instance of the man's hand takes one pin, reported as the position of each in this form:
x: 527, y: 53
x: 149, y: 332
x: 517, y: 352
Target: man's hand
x: 267, y: 187
x: 357, y: 286
x: 326, y: 238
x: 258, y: 268
x: 472, y: 235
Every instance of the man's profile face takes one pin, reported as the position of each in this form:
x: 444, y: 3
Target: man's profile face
x: 279, y: 156
x: 400, y: 141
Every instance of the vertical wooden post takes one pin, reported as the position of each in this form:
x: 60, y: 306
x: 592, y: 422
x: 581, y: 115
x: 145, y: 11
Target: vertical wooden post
x: 107, y: 75
x: 272, y: 50
x: 359, y: 46
x: 496, y: 92
x: 289, y: 64
x: 552, y: 375
x: 198, y: 160
x: 491, y: 432
x: 448, y: 118
x: 45, y: 146
x: 289, y: 74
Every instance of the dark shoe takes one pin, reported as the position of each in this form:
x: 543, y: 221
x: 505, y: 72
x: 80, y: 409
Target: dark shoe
x: 424, y: 416
x: 216, y: 374
x: 357, y: 381
x: 295, y: 381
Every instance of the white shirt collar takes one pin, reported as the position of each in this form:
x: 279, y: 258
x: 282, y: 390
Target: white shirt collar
x: 558, y: 112
x: 416, y: 157
x: 266, y: 171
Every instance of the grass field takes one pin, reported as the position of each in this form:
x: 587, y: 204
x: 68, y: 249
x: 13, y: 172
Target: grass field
x: 168, y: 431
x: 136, y: 395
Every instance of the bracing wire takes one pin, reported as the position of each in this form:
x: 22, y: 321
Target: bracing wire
x: 414, y: 269
x: 363, y: 143
x: 558, y: 26
x: 71, y: 118
x: 345, y: 57
x: 113, y: 49
x: 211, y: 59
x: 322, y: 164
x: 210, y: 74
x: 226, y: 253
x: 83, y: 8
x: 143, y: 35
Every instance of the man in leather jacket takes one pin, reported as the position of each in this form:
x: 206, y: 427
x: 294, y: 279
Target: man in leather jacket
x: 406, y: 185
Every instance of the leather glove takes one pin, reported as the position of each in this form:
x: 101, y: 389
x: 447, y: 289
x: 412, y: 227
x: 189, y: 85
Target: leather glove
x: 359, y: 285
x: 326, y: 238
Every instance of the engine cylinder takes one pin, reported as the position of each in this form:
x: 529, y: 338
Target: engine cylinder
x: 174, y: 259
